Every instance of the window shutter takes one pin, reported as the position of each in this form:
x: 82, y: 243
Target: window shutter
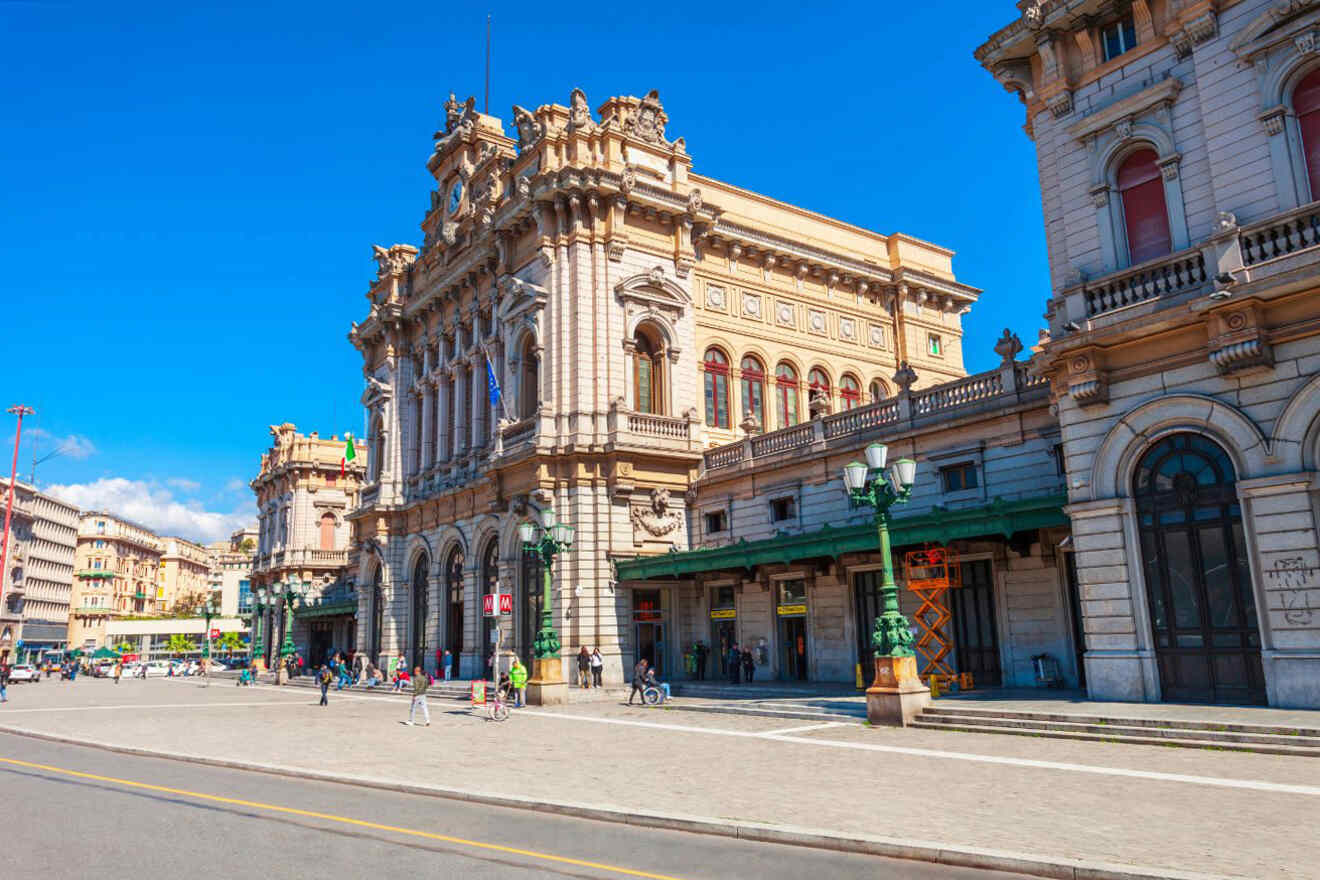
x: 1145, y: 214
x: 1306, y: 104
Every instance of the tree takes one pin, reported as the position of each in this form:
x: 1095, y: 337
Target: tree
x: 229, y: 642
x: 180, y: 644
x: 124, y: 647
x: 247, y: 545
x: 190, y: 604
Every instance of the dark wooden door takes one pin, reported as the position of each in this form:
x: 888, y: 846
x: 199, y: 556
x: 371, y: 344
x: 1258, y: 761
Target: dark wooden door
x: 975, y: 633
x: 1198, y: 580
x: 867, y: 605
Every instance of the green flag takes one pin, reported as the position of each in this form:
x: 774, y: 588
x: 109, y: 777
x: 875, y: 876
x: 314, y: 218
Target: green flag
x: 349, y: 454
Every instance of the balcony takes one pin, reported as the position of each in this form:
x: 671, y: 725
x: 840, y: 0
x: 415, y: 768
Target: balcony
x: 656, y: 433
x: 994, y: 390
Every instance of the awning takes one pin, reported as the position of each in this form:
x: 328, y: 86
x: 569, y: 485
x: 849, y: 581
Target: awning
x: 328, y: 609
x: 937, y: 527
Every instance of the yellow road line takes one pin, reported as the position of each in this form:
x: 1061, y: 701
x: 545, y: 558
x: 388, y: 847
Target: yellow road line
x: 361, y: 823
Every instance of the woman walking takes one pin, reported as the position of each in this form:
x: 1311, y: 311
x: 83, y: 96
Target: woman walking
x: 584, y: 668
x: 325, y: 678
x: 420, y: 682
x: 597, y: 667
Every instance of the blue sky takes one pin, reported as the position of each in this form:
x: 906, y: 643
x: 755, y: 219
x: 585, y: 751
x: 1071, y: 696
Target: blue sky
x: 190, y: 193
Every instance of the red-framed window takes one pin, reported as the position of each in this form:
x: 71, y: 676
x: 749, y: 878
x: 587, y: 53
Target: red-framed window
x: 1306, y: 104
x: 786, y: 393
x: 850, y: 391
x: 717, y: 388
x: 752, y: 381
x: 1145, y: 214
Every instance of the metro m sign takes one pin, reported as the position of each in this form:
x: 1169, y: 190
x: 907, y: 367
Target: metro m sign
x: 488, y: 605
x: 215, y: 633
x: 506, y: 603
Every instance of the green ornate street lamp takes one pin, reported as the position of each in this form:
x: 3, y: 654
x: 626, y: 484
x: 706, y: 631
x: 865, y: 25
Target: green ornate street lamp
x: 896, y: 695
x: 553, y: 539
x: 867, y: 485
x: 208, y: 611
x: 259, y: 637
x: 293, y: 591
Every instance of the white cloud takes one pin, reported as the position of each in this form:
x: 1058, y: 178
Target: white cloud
x: 236, y: 484
x: 183, y: 484
x: 153, y: 506
x: 74, y: 445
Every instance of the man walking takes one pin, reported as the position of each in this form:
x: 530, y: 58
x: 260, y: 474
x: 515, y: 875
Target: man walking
x: 4, y: 682
x: 325, y: 684
x: 518, y: 681
x: 119, y: 670
x: 419, y: 685
x: 638, y: 682
x: 447, y: 664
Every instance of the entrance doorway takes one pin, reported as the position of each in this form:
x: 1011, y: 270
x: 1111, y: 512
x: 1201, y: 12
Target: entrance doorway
x: 793, y: 648
x: 975, y: 635
x: 1075, y: 609
x: 649, y: 629
x: 1198, y: 583
x: 867, y: 605
x: 723, y: 636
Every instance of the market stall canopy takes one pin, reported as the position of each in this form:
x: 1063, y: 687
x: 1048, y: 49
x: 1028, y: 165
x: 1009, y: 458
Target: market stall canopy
x: 105, y: 654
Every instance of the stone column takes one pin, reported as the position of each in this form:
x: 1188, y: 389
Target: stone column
x: 428, y: 424
x: 479, y: 426
x: 443, y: 409
x: 462, y: 412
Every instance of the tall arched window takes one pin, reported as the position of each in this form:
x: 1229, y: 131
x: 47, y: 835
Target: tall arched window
x: 878, y: 392
x: 327, y: 531
x: 451, y: 415
x: 1306, y: 104
x: 1198, y: 578
x: 421, y: 606
x: 648, y: 362
x: 377, y: 448
x: 753, y: 390
x: 818, y: 385
x: 376, y: 634
x: 529, y: 386
x: 850, y: 391
x: 417, y: 435
x: 786, y: 394
x: 717, y: 389
x: 1145, y: 214
x: 454, y: 592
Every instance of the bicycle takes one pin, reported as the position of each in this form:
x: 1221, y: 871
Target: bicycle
x: 499, y: 705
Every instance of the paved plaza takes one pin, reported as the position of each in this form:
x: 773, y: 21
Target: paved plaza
x: 1217, y: 813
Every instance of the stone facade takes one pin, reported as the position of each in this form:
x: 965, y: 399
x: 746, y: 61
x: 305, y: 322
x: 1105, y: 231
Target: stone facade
x: 304, y: 492
x: 184, y: 574
x: 35, y: 592
x: 1205, y: 353
x: 229, y: 574
x: 116, y: 573
x: 623, y: 304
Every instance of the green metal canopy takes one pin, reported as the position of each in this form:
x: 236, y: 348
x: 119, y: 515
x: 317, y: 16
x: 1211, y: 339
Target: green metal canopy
x: 327, y: 609
x: 105, y: 654
x: 937, y: 527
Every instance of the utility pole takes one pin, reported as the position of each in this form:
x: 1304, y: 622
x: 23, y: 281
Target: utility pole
x: 20, y: 410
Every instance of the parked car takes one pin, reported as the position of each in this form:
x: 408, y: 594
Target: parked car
x: 24, y: 672
x: 158, y: 668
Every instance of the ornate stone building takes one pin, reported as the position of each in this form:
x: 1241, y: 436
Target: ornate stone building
x: 304, y: 494
x: 1179, y: 154
x: 633, y: 314
x: 184, y: 573
x: 116, y: 572
x: 35, y: 592
x: 230, y: 570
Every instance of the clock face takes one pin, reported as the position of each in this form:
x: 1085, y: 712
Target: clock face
x: 455, y: 196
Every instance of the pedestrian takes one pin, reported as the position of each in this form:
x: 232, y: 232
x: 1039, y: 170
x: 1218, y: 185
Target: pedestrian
x: 447, y: 664
x: 325, y: 684
x: 584, y: 667
x: 749, y: 666
x: 420, y: 683
x: 358, y: 667
x: 119, y: 671
x: 518, y: 681
x: 662, y: 686
x: 401, y: 666
x: 702, y: 652
x: 734, y: 660
x: 597, y: 667
x: 4, y: 682
x: 638, y: 681
x: 399, y: 678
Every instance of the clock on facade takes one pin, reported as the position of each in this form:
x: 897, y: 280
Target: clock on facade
x: 455, y: 196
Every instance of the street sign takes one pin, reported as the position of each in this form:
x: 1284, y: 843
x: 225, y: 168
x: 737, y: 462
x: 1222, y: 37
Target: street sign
x: 215, y: 633
x: 488, y: 605
x: 506, y: 603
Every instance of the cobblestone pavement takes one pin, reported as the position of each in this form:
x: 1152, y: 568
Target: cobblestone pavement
x: 1216, y: 812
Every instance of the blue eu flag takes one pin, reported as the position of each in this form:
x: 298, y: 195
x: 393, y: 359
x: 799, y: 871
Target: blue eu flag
x: 491, y: 383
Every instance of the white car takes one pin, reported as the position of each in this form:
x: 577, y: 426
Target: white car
x: 24, y: 672
x: 155, y: 669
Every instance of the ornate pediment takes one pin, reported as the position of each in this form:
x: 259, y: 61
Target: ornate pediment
x: 653, y: 288
x: 1275, y: 25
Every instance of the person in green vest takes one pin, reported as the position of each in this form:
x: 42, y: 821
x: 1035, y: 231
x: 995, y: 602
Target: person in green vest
x: 518, y: 681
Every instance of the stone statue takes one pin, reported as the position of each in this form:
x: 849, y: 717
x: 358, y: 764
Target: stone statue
x: 579, y: 114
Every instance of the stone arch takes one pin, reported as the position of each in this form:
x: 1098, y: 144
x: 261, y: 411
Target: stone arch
x: 449, y: 537
x: 1287, y: 150
x: 1295, y: 442
x: 1117, y: 454
x: 417, y: 545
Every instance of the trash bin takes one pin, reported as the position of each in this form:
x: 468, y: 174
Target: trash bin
x: 1047, y: 670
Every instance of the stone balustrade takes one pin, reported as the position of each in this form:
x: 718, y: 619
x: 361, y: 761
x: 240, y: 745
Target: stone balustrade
x: 1281, y: 235
x: 1166, y: 276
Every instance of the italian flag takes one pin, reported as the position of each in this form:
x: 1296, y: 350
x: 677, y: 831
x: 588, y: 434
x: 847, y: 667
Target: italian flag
x: 349, y: 454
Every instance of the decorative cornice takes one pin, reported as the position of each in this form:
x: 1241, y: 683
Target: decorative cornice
x: 1162, y: 93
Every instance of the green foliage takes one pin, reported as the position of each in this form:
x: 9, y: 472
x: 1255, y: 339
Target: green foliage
x: 124, y: 647
x: 247, y: 545
x: 180, y: 644
x: 230, y: 642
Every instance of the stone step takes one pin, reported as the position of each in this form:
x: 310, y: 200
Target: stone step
x: 1117, y: 728
x: 1145, y: 739
x: 758, y: 711
x: 754, y: 692
x: 963, y: 711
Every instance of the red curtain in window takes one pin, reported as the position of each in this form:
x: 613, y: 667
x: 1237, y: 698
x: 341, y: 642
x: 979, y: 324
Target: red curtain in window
x: 1306, y: 104
x: 1141, y: 187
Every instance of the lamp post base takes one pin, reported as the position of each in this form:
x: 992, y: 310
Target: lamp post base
x: 897, y: 696
x: 547, y: 687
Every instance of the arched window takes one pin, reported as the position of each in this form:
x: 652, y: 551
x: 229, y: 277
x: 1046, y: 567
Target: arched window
x: 420, y: 611
x: 648, y: 363
x: 377, y: 617
x: 1197, y: 574
x: 417, y: 435
x: 878, y: 392
x: 1145, y: 214
x: 753, y: 390
x: 1306, y: 104
x: 377, y: 448
x: 529, y: 385
x: 454, y: 591
x: 451, y: 415
x: 327, y: 531
x: 850, y: 391
x: 786, y: 394
x: 717, y: 389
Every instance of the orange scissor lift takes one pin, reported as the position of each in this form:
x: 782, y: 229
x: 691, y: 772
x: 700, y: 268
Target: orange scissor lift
x: 931, y: 573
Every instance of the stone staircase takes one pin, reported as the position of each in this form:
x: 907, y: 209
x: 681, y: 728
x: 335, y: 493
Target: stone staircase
x: 452, y: 690
x: 1225, y: 736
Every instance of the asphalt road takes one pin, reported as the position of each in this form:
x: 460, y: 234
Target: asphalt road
x: 217, y: 822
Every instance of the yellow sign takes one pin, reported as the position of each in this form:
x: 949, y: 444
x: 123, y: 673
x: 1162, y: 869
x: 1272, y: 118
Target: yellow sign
x: 788, y: 610
x: 723, y: 614
x: 478, y: 693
